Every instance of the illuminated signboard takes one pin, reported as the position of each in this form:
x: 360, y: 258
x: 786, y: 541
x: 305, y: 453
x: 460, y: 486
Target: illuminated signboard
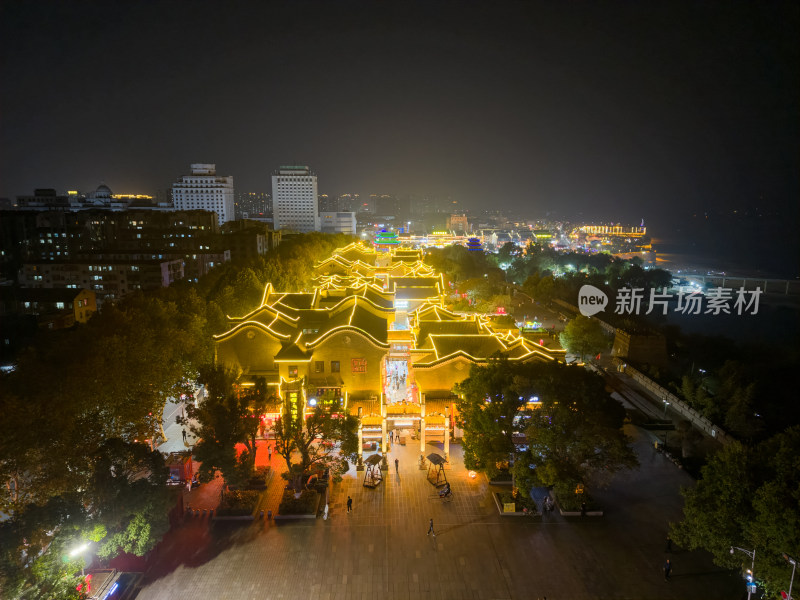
x: 294, y: 401
x: 359, y: 365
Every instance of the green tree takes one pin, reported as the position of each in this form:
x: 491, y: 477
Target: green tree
x: 545, y: 290
x: 326, y: 437
x: 35, y: 546
x: 80, y: 399
x: 226, y: 417
x: 582, y: 336
x: 491, y: 409
x: 457, y: 263
x: 748, y: 497
x: 574, y: 434
x: 129, y: 497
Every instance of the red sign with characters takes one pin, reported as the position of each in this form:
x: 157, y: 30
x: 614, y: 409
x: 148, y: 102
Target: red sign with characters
x: 359, y: 365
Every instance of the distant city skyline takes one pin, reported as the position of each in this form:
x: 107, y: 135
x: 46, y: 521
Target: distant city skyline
x: 613, y: 108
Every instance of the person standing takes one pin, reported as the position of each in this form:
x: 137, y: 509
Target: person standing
x: 349, y: 504
x: 667, y: 570
x: 430, y: 529
x: 184, y: 436
x: 397, y: 466
x: 583, y: 509
x: 269, y: 451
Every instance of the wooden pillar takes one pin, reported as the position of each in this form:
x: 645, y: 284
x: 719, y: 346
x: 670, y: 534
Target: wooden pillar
x: 383, y: 424
x: 447, y: 433
x: 360, y: 465
x: 422, y: 424
x: 384, y: 449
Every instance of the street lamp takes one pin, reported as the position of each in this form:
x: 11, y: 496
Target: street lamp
x: 750, y: 577
x: 793, y: 562
x: 666, y: 404
x: 80, y: 550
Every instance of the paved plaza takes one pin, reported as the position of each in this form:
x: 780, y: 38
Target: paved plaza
x: 381, y: 549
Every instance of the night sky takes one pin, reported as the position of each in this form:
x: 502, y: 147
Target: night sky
x: 620, y: 111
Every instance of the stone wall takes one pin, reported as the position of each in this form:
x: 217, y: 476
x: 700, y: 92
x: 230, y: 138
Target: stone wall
x: 676, y: 404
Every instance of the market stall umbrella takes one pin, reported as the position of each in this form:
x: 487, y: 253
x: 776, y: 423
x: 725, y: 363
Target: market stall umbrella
x: 437, y: 477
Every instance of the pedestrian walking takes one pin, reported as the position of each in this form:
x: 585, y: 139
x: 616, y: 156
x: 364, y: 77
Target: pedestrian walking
x: 184, y: 436
x: 583, y: 509
x: 349, y: 504
x: 396, y: 465
x: 430, y: 529
x: 269, y: 451
x: 669, y: 544
x: 667, y: 570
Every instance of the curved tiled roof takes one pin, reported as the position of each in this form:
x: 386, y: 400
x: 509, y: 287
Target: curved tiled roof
x: 431, y: 312
x: 295, y: 301
x: 479, y: 346
x: 379, y: 297
x: 356, y: 251
x: 274, y: 332
x: 427, y: 328
x: 292, y: 352
x: 355, y: 301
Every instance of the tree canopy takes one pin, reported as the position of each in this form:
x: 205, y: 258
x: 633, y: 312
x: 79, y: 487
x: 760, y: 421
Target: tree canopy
x: 326, y: 437
x: 229, y: 415
x: 83, y: 409
x: 572, y: 428
x: 748, y: 497
x: 582, y: 336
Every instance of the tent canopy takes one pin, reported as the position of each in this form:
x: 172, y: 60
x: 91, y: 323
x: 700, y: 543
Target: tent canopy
x: 374, y: 459
x: 436, y: 459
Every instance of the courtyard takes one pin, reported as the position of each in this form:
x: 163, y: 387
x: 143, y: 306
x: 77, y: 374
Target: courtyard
x: 381, y: 549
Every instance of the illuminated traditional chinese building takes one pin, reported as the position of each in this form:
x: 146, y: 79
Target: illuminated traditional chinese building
x: 375, y: 331
x: 612, y: 231
x: 385, y: 241
x: 474, y: 244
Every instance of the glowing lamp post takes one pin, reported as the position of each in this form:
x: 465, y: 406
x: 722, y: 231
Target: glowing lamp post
x: 78, y: 551
x: 751, y: 586
x: 792, y: 562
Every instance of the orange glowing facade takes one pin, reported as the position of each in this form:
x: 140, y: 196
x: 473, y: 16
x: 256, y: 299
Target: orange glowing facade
x: 374, y: 331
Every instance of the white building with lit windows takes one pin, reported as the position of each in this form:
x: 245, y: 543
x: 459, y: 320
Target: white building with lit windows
x: 294, y: 199
x: 205, y: 190
x: 338, y: 222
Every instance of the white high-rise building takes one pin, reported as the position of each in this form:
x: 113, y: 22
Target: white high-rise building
x: 338, y: 222
x: 294, y: 199
x: 205, y: 190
